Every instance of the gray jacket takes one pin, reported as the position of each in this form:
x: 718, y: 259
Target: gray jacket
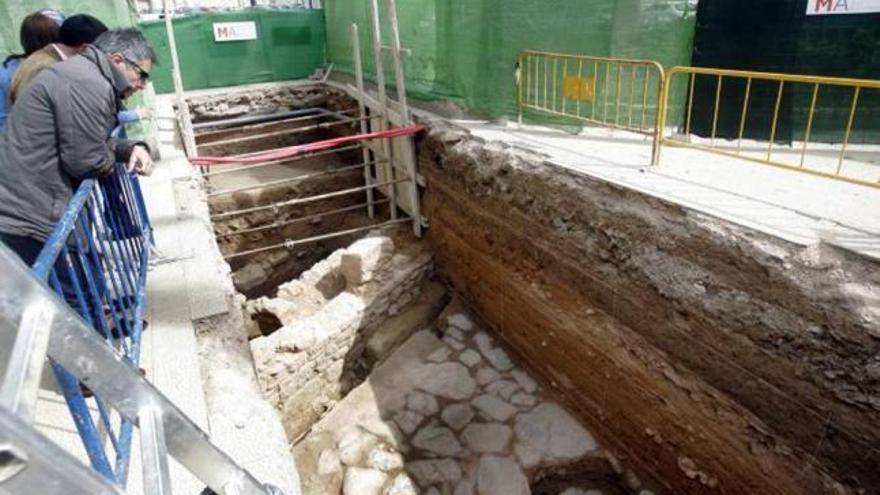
x: 56, y: 136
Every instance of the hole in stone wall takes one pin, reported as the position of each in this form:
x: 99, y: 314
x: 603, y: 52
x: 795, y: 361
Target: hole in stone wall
x: 267, y: 322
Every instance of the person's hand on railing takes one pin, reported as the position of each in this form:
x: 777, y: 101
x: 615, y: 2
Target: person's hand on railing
x: 140, y: 161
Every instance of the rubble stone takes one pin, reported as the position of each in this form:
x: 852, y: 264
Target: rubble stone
x: 487, y: 438
x: 493, y: 407
x: 501, y: 476
x: 550, y: 430
x: 438, y: 440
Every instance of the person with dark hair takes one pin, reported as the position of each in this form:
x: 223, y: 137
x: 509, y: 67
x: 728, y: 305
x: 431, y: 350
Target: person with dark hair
x: 58, y: 134
x: 37, y: 30
x: 76, y: 33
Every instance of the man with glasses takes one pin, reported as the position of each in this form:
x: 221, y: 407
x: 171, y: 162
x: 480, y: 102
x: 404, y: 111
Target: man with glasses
x: 58, y: 134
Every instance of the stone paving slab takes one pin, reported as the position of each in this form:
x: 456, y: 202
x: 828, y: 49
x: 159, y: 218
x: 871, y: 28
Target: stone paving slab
x: 457, y: 433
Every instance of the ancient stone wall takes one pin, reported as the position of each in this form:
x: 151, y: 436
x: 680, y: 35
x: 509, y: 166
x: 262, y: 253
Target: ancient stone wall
x: 311, y: 361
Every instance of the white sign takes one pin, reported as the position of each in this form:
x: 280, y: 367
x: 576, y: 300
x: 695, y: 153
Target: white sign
x: 825, y: 7
x: 235, y: 31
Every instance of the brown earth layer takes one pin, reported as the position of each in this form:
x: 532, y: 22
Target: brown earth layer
x: 712, y: 355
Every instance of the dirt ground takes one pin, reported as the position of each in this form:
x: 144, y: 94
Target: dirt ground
x: 688, y: 342
x: 707, y: 356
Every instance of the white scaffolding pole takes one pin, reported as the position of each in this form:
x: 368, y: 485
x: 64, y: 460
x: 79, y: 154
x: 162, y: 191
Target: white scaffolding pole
x: 185, y: 120
x: 408, y: 157
x: 383, y: 102
x: 359, y: 72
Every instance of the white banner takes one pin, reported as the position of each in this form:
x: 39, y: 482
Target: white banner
x: 235, y: 31
x: 825, y: 7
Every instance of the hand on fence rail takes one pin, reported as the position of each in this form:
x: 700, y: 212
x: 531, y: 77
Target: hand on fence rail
x: 96, y: 259
x: 140, y: 161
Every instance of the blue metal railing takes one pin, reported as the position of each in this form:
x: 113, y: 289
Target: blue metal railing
x: 97, y: 259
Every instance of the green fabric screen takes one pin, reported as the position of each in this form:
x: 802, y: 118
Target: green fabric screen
x: 289, y: 45
x: 114, y: 13
x: 465, y: 51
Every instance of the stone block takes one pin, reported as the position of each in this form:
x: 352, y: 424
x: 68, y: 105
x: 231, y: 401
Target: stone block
x: 362, y: 260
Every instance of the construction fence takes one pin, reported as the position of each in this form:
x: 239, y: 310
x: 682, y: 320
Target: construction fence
x: 466, y: 52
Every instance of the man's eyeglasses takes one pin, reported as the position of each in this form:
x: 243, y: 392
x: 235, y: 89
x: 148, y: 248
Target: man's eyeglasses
x: 144, y: 75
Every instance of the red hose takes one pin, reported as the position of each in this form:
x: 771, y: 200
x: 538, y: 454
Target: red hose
x: 292, y: 151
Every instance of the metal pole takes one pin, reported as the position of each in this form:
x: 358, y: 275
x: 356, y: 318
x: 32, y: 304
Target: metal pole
x: 383, y: 101
x: 284, y: 132
x: 309, y: 113
x: 22, y: 381
x: 276, y: 225
x: 291, y: 243
x: 80, y: 350
x: 359, y: 74
x: 287, y: 181
x: 154, y: 454
x: 35, y: 464
x: 283, y: 160
x: 189, y: 140
x: 309, y: 199
x: 404, y: 112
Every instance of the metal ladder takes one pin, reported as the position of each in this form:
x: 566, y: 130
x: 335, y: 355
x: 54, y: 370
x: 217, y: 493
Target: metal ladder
x: 35, y: 324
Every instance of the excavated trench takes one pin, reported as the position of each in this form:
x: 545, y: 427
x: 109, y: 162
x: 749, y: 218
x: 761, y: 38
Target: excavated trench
x: 553, y: 333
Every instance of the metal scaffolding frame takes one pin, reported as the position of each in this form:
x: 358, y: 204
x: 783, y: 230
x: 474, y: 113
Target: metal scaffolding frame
x: 389, y: 164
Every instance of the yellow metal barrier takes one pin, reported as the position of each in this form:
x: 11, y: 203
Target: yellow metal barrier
x: 826, y: 160
x: 611, y: 92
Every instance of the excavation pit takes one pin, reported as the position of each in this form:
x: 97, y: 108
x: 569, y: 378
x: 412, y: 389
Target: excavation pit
x: 682, y: 343
x: 244, y: 199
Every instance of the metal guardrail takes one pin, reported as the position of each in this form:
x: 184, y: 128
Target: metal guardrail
x: 30, y: 462
x: 829, y: 161
x: 618, y: 93
x: 96, y: 262
x: 97, y: 259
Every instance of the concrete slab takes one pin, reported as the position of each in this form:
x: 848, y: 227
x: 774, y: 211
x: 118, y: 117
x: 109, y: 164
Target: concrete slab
x: 797, y: 207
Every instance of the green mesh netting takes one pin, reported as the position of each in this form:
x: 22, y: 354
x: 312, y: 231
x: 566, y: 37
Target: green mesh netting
x: 465, y: 51
x: 114, y: 13
x: 289, y: 45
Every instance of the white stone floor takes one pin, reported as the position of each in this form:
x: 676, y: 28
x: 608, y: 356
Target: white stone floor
x: 444, y: 415
x: 797, y: 207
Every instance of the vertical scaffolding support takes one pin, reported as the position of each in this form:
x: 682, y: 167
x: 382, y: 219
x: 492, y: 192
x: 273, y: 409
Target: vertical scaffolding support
x: 359, y: 73
x: 383, y: 102
x: 186, y: 130
x: 409, y: 151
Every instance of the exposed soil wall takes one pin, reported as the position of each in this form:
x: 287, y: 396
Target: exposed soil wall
x: 260, y: 274
x: 713, y: 356
x: 265, y: 99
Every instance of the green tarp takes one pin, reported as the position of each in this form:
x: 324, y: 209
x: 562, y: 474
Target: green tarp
x: 465, y: 51
x: 114, y: 13
x: 289, y: 45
